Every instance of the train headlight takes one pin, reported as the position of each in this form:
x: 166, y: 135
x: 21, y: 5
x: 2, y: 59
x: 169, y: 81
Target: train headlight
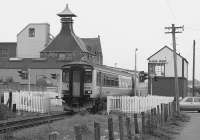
x: 88, y: 92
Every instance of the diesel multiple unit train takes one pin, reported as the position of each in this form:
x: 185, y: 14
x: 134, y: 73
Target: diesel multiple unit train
x: 84, y: 84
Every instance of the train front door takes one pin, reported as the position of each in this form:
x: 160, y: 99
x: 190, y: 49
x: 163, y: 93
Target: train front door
x: 76, y: 83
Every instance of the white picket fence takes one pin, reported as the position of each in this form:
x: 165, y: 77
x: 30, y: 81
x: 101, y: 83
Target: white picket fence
x: 127, y: 104
x: 35, y: 101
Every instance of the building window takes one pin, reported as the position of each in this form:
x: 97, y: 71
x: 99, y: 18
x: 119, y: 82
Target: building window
x: 62, y: 56
x: 159, y: 70
x: 31, y: 32
x: 3, y: 52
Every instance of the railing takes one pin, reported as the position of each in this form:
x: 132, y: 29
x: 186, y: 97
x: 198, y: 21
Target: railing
x: 127, y: 104
x: 34, y: 101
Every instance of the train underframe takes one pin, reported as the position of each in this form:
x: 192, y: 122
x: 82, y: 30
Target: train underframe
x: 77, y: 104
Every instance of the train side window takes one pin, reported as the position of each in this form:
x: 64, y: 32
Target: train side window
x: 112, y: 82
x: 116, y: 84
x: 88, y: 77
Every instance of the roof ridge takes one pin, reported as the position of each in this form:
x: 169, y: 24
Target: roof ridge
x: 80, y: 42
x: 8, y: 42
x: 32, y: 24
x: 170, y: 50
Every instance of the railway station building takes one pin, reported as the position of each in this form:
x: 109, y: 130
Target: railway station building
x: 161, y: 73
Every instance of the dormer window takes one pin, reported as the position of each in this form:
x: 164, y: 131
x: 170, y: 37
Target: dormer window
x: 31, y: 32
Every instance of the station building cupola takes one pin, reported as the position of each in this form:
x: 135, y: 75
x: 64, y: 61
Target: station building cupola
x: 67, y: 46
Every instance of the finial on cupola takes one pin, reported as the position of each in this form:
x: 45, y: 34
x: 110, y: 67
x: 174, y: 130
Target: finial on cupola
x: 66, y: 12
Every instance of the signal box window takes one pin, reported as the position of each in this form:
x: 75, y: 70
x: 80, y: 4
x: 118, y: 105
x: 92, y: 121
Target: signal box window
x: 31, y: 32
x: 157, y: 68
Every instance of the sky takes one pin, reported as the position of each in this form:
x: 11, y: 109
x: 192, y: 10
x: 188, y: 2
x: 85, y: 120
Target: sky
x: 123, y: 25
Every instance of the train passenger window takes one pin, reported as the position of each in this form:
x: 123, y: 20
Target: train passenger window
x: 107, y: 80
x: 112, y: 82
x: 116, y: 84
x: 88, y: 77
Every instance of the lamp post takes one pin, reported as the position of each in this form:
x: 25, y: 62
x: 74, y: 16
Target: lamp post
x: 135, y: 71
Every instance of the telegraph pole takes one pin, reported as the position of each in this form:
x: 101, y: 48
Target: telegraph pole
x: 193, y: 75
x: 173, y: 30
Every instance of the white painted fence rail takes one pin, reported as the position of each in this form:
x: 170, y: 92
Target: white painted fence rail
x: 127, y: 104
x: 35, y: 101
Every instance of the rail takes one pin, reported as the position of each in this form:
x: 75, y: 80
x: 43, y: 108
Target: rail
x: 29, y: 122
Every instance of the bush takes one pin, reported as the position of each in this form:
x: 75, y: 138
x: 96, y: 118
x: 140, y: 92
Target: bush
x: 3, y: 111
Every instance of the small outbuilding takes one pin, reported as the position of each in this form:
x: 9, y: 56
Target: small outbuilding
x: 161, y: 71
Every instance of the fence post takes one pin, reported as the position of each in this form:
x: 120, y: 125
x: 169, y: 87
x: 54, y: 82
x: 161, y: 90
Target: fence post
x: 169, y: 109
x: 143, y: 123
x: 110, y: 129
x: 97, y: 135
x: 2, y: 99
x: 53, y: 136
x: 166, y: 112
x: 158, y: 115
x: 14, y: 108
x: 152, y: 119
x: 162, y: 114
x: 77, y: 130
x: 10, y: 100
x: 136, y: 124
x: 155, y: 117
x: 121, y: 127
x: 148, y: 122
x: 174, y: 108
x: 128, y: 127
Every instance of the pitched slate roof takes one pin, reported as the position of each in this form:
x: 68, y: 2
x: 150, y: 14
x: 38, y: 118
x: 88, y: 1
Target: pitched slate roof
x: 170, y: 50
x: 63, y: 43
x: 66, y: 40
x: 92, y: 44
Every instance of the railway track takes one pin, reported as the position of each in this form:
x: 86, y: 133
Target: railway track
x: 12, y: 125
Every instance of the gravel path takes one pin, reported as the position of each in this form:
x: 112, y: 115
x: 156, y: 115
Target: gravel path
x: 191, y: 130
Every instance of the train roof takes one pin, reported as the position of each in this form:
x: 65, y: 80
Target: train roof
x: 116, y: 69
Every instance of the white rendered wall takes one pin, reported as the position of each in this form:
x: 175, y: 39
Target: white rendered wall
x: 30, y: 47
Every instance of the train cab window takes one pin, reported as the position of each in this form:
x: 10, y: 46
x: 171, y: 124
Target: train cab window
x: 99, y: 78
x: 65, y: 76
x: 88, y: 77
